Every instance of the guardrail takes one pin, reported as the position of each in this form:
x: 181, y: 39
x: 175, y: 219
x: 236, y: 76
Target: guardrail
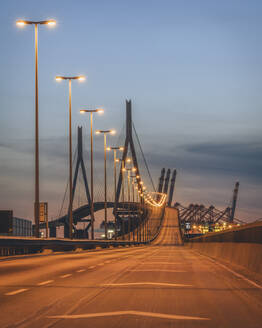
x: 30, y: 245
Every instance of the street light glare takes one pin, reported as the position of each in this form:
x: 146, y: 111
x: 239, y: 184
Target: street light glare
x: 82, y: 111
x: 108, y: 148
x: 51, y: 22
x: 121, y: 148
x: 81, y: 78
x: 58, y: 78
x: 97, y: 132
x: 113, y: 131
x: 20, y: 23
x: 100, y: 111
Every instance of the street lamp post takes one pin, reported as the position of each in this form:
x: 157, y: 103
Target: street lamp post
x: 22, y: 23
x: 105, y: 132
x: 91, y: 111
x: 70, y: 78
x: 129, y: 199
x: 115, y: 149
x: 133, y: 200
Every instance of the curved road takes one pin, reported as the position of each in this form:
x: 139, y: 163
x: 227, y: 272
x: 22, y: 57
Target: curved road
x: 161, y: 285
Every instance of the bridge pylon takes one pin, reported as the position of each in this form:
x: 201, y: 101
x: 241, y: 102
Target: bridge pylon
x: 79, y: 163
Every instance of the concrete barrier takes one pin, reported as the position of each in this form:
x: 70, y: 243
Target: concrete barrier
x: 241, y: 246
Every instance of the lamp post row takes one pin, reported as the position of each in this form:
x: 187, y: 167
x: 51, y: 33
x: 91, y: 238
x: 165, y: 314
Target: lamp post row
x: 51, y: 22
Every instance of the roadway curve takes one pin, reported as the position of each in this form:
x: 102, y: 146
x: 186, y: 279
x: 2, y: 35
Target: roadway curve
x: 149, y: 286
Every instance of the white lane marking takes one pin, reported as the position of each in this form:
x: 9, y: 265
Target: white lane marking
x: 18, y: 291
x: 156, y: 270
x: 45, y: 282
x: 81, y: 270
x: 66, y: 275
x: 137, y: 313
x: 147, y: 283
x: 100, y: 264
x: 153, y: 263
x: 234, y: 272
x: 91, y: 267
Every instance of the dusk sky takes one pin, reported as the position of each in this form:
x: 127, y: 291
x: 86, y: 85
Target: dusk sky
x: 192, y: 68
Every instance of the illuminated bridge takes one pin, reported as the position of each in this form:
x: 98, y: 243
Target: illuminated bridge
x: 149, y: 275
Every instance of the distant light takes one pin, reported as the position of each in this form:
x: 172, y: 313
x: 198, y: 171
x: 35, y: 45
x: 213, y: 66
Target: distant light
x: 137, y: 176
x: 108, y: 148
x: 82, y: 111
x: 97, y: 132
x: 128, y: 160
x: 58, y: 78
x: 121, y: 148
x: 134, y: 169
x: 113, y: 131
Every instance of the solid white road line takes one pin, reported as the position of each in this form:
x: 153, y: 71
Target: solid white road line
x: 169, y: 263
x: 233, y: 272
x: 137, y: 313
x: 18, y: 291
x: 66, y: 275
x: 81, y: 270
x: 156, y: 270
x: 45, y: 282
x: 147, y: 283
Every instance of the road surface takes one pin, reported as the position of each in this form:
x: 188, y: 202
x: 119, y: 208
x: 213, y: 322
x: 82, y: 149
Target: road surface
x: 152, y: 286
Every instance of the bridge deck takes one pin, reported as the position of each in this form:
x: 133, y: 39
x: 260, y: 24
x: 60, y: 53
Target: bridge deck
x: 170, y: 233
x: 149, y: 286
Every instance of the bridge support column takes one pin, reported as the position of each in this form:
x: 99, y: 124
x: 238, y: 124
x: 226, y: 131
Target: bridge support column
x: 52, y: 232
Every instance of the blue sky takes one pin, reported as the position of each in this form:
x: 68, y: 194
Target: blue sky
x: 191, y: 68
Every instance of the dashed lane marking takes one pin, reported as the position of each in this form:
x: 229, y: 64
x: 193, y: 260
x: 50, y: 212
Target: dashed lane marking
x: 136, y: 313
x: 18, y: 291
x: 147, y: 283
x: 66, y: 275
x: 100, y: 264
x: 91, y: 267
x: 45, y: 282
x: 81, y: 270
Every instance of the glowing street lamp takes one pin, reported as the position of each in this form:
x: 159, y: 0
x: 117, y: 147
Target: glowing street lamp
x: 91, y: 111
x: 80, y: 78
x: 22, y: 23
x: 105, y: 132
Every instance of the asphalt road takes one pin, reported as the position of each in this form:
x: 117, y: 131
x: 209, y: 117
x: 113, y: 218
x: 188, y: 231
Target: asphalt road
x: 153, y: 286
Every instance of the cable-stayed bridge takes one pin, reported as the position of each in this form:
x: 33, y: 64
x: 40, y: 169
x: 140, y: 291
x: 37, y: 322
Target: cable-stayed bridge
x: 170, y: 280
x: 134, y: 197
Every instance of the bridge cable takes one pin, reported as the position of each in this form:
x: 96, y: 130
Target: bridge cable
x: 144, y: 158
